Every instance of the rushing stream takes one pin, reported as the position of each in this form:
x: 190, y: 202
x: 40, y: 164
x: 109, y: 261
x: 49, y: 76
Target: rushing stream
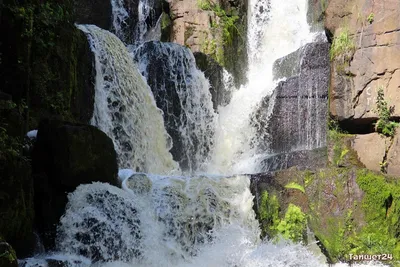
x: 168, y: 212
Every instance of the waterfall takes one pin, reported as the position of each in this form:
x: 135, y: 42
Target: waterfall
x: 146, y: 27
x: 125, y: 108
x: 161, y: 219
x: 146, y: 21
x: 170, y: 221
x: 182, y: 92
x: 276, y: 29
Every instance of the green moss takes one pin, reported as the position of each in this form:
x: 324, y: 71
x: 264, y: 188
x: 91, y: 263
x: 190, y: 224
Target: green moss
x: 268, y: 214
x: 370, y: 228
x: 294, y: 224
x: 371, y: 18
x: 382, y: 210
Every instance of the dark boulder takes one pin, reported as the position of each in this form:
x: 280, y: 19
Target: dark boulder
x: 94, y: 12
x: 67, y: 155
x: 179, y: 89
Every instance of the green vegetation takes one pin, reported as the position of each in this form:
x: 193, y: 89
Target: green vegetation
x: 294, y: 225
x: 268, y: 214
x: 381, y: 207
x: 226, y: 24
x: 342, y: 45
x: 368, y: 224
x: 8, y: 257
x: 294, y: 185
x: 370, y: 18
x: 384, y: 125
x: 335, y: 137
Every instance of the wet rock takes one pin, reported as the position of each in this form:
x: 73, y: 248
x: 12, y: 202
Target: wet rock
x: 181, y: 92
x: 303, y: 95
x: 65, y: 156
x: 106, y: 229
x: 303, y: 160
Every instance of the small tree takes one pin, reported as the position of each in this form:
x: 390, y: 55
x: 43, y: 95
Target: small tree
x: 384, y: 125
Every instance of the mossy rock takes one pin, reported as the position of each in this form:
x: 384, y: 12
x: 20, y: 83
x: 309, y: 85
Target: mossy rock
x: 46, y: 61
x: 8, y: 258
x: 350, y: 210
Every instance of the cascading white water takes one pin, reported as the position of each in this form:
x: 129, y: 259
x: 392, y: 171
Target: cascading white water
x: 276, y: 28
x: 120, y: 15
x: 182, y: 92
x: 145, y: 13
x: 125, y: 108
x: 147, y: 28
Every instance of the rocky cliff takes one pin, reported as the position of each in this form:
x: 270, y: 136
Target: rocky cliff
x: 216, y: 28
x: 365, y: 63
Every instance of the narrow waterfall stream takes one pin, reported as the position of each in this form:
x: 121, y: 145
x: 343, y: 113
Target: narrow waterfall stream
x: 162, y: 216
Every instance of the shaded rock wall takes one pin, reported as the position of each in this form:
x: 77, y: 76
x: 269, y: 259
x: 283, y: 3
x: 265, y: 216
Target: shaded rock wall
x: 65, y: 156
x: 94, y: 12
x: 46, y: 62
x: 46, y: 71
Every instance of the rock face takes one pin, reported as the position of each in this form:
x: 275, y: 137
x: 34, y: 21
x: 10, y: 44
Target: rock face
x: 65, y: 156
x: 371, y: 149
x: 94, y: 12
x: 303, y: 160
x: 393, y: 157
x: 374, y: 30
x: 303, y: 95
x: 198, y: 26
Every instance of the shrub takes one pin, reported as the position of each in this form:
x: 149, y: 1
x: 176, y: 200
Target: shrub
x: 343, y: 44
x: 384, y: 125
x: 370, y: 18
